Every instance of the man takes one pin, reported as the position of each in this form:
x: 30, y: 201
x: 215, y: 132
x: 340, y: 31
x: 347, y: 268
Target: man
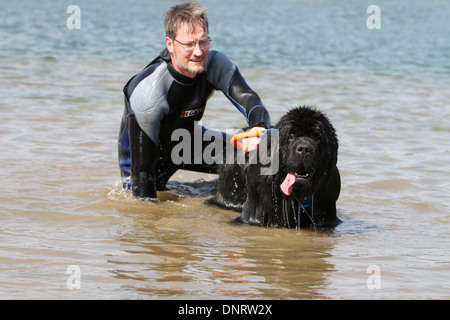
x: 171, y: 93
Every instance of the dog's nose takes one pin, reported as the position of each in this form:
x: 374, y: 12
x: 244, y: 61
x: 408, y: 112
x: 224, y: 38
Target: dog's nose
x: 304, y: 148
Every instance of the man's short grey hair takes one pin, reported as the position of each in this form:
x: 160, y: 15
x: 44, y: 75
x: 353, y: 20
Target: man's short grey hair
x: 189, y: 13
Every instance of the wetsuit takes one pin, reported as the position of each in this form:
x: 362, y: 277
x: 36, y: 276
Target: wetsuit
x: 159, y: 100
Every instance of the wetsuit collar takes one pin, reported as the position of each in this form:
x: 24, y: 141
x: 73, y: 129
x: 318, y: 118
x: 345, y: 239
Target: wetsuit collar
x: 165, y: 55
x: 178, y: 76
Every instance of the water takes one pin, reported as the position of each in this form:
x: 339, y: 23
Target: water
x: 387, y: 92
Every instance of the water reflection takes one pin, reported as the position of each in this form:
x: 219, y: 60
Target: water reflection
x: 180, y: 248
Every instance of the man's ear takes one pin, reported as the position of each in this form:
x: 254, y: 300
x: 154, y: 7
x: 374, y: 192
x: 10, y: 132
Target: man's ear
x: 169, y: 43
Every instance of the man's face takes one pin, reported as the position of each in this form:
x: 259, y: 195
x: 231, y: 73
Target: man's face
x: 189, y: 50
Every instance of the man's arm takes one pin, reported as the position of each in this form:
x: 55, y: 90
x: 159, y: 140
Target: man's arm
x: 256, y: 113
x: 225, y: 76
x: 143, y: 160
x: 146, y: 112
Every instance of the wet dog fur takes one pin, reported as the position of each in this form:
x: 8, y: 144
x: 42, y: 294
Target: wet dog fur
x: 307, y: 153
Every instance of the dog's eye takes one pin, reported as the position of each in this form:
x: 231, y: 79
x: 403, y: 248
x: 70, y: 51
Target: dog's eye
x: 291, y: 137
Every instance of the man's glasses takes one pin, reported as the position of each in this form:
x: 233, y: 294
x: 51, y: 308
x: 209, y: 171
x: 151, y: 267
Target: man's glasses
x: 190, y: 46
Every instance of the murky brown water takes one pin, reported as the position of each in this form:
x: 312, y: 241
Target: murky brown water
x: 61, y: 204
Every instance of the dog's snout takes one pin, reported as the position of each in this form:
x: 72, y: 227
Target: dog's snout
x: 304, y: 148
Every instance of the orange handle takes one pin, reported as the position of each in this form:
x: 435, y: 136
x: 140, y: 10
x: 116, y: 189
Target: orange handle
x: 243, y: 135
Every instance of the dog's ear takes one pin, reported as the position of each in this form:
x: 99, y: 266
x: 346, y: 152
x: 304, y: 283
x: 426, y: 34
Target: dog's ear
x: 269, y: 152
x: 284, y: 132
x: 333, y: 145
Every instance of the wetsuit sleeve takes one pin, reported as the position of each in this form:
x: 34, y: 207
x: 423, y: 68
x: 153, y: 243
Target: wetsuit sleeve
x: 148, y: 106
x: 225, y: 76
x: 143, y: 159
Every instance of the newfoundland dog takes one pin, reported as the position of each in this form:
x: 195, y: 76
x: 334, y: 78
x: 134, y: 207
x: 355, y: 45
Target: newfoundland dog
x: 302, y: 191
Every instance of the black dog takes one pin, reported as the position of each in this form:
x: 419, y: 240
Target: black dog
x: 303, y: 191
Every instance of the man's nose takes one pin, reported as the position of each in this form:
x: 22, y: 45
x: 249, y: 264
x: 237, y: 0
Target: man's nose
x: 197, y: 50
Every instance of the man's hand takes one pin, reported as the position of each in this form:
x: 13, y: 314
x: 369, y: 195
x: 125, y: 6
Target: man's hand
x: 250, y: 144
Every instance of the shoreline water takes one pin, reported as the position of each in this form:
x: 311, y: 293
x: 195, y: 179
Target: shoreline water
x: 61, y: 201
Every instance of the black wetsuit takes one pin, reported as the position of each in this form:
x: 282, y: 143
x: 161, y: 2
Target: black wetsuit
x: 159, y: 100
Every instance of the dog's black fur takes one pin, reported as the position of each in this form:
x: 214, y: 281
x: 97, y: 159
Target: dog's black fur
x: 308, y: 148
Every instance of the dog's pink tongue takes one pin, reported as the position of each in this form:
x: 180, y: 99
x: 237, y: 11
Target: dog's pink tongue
x: 288, y: 183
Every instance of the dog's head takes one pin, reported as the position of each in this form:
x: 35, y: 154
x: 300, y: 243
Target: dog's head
x: 308, y: 151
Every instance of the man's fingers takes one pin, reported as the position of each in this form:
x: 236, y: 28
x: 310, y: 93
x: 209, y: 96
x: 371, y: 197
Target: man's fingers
x: 250, y: 144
